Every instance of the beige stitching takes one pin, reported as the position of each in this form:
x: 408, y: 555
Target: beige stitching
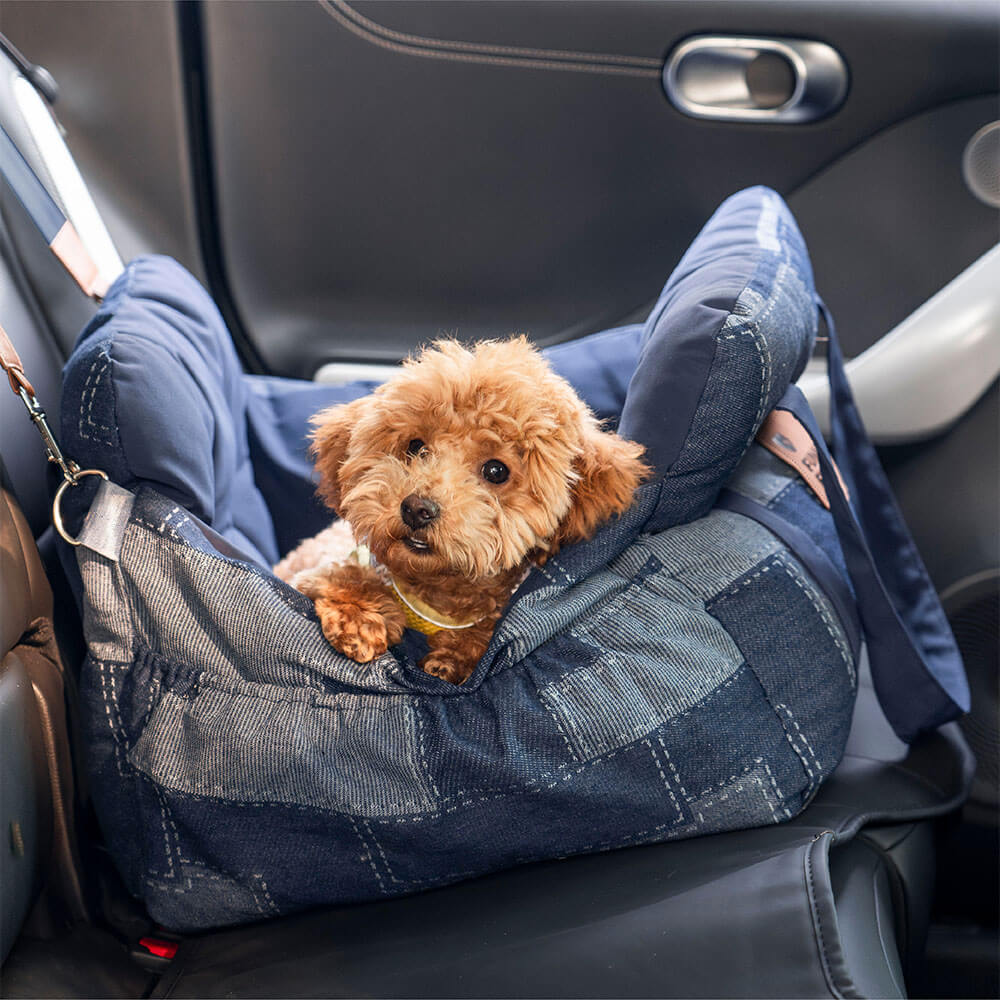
x: 494, y: 55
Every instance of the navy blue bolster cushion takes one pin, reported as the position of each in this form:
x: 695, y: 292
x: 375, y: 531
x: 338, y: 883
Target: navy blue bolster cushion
x: 681, y: 673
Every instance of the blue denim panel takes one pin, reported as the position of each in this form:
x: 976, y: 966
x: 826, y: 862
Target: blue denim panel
x: 620, y: 800
x: 537, y: 614
x: 798, y: 505
x: 194, y: 896
x: 285, y: 856
x: 248, y: 742
x: 756, y: 353
x: 790, y: 637
x: 483, y: 745
x: 701, y: 558
x: 762, y: 476
x: 733, y: 735
x: 649, y: 669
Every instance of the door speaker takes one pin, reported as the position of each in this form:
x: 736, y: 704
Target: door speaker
x: 981, y: 164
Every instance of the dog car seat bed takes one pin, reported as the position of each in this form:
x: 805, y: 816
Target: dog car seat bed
x: 690, y: 669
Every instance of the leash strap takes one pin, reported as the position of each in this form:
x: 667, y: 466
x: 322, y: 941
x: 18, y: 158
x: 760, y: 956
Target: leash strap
x: 916, y: 667
x: 10, y: 362
x: 48, y: 217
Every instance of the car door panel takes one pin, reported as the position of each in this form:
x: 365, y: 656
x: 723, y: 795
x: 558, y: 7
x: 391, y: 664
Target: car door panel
x: 473, y: 191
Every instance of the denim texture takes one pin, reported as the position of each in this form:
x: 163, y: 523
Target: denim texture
x: 681, y: 673
x: 239, y: 775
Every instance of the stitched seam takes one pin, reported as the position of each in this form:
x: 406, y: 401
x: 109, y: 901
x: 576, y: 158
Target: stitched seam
x: 268, y: 905
x: 813, y: 778
x: 88, y: 428
x: 826, y: 616
x: 672, y: 766
x: 367, y: 855
x: 415, y: 710
x: 666, y: 783
x: 817, y: 923
x: 493, y: 55
x: 517, y: 50
x: 778, y: 797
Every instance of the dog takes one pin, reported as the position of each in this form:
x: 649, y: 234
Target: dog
x: 456, y: 476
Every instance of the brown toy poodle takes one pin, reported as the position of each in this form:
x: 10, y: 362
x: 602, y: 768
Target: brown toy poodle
x: 455, y: 476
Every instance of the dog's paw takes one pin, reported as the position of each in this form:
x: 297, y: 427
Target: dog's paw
x: 357, y: 631
x: 446, y: 667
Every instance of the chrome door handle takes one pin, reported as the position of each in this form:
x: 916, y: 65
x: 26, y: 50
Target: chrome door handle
x: 733, y: 78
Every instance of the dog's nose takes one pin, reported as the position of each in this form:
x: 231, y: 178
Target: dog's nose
x: 418, y: 512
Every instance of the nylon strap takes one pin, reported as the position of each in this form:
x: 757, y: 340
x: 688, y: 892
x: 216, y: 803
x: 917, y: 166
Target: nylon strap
x: 916, y: 667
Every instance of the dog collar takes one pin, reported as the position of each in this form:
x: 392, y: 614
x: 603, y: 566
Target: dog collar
x: 419, y: 614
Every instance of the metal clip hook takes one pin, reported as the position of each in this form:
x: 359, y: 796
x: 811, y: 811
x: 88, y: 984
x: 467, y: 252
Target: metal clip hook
x: 70, y: 470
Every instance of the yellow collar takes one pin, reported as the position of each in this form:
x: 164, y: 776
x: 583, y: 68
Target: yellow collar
x: 419, y: 615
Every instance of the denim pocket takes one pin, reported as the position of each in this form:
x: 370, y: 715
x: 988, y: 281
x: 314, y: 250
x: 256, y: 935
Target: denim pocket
x: 241, y: 741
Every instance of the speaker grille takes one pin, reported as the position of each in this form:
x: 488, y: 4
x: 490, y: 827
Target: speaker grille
x: 981, y: 164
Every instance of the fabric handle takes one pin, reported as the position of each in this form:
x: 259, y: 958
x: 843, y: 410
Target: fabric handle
x: 916, y: 666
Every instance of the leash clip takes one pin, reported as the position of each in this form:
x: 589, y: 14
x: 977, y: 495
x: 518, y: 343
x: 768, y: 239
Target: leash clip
x: 72, y: 473
x: 70, y: 470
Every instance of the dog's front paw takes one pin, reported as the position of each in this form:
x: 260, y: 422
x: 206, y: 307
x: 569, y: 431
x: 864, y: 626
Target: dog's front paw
x: 446, y: 667
x: 356, y: 630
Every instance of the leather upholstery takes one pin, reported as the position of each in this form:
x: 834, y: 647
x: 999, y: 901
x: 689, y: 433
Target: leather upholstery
x: 24, y: 590
x: 38, y: 776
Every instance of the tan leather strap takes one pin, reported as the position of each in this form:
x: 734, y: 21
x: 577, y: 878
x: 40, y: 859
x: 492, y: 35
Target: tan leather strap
x: 10, y: 361
x: 784, y: 435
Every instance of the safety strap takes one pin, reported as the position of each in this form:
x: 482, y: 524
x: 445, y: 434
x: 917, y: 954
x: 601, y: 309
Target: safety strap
x: 45, y: 213
x: 916, y: 667
x: 10, y: 362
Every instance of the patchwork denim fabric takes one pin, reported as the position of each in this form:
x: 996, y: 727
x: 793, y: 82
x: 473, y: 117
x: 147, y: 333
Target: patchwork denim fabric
x: 665, y: 695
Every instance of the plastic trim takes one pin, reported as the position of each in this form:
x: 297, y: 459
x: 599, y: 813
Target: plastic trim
x: 928, y: 372
x: 71, y: 190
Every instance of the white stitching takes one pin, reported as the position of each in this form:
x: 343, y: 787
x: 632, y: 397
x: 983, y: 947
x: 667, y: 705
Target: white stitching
x: 91, y: 386
x: 366, y: 854
x: 813, y: 777
x: 471, y: 52
x: 666, y: 783
x: 828, y: 619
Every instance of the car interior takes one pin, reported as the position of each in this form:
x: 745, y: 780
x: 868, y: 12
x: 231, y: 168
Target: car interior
x: 350, y: 179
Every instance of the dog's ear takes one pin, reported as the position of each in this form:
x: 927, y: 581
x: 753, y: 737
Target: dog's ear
x: 610, y: 468
x: 330, y: 441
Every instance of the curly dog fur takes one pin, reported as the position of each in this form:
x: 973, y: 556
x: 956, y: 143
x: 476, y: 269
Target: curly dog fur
x: 458, y: 473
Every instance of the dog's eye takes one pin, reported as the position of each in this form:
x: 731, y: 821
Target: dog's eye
x: 415, y: 447
x: 494, y: 471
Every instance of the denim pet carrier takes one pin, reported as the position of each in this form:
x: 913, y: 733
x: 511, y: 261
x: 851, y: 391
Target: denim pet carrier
x: 691, y: 669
